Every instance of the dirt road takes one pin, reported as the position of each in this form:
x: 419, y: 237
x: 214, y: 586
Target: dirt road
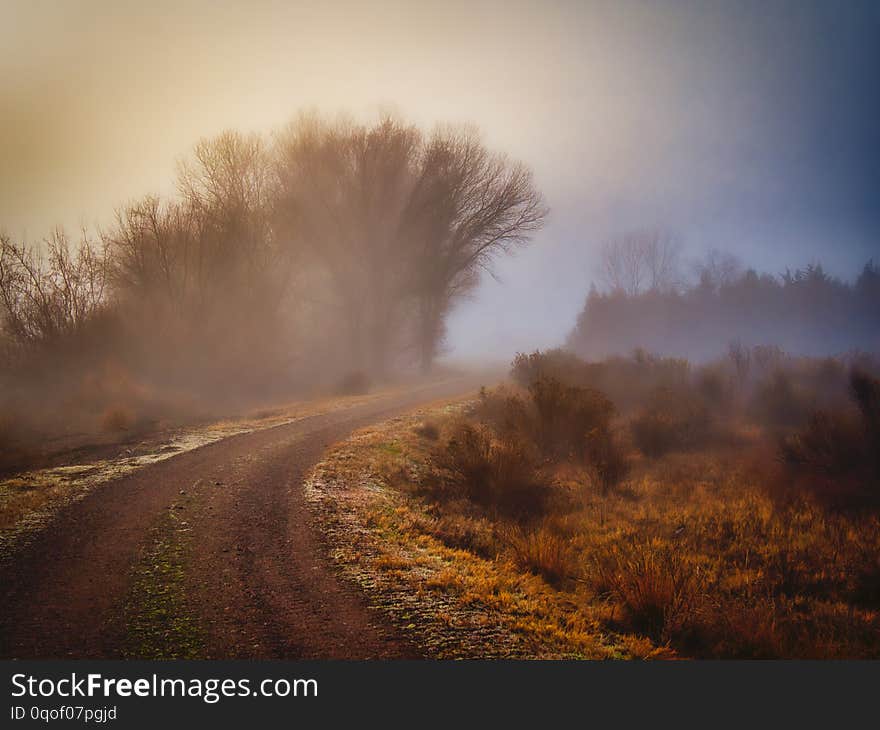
x: 209, y: 554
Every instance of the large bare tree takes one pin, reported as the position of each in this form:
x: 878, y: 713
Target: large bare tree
x: 469, y: 206
x: 401, y: 223
x: 343, y: 188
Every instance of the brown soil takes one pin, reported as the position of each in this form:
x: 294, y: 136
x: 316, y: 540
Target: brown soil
x: 255, y: 576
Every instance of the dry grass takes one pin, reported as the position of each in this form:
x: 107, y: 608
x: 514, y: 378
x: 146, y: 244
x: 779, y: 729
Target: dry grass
x: 447, y: 576
x: 688, y: 555
x: 656, y: 585
x: 701, y: 555
x: 543, y: 552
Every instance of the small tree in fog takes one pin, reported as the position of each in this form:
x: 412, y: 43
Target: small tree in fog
x: 718, y: 269
x: 639, y: 261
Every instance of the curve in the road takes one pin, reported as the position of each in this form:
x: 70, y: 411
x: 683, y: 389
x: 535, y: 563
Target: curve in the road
x: 255, y: 571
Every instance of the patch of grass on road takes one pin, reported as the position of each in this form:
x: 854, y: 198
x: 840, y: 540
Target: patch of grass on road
x: 160, y: 625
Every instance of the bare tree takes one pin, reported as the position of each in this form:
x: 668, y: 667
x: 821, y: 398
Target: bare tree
x: 211, y: 257
x: 718, y: 269
x: 645, y: 260
x: 400, y: 222
x: 468, y: 207
x: 45, y: 299
x: 227, y: 190
x: 154, y: 255
x: 342, y: 192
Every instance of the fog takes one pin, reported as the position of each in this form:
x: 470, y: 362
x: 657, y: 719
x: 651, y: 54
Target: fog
x: 746, y: 127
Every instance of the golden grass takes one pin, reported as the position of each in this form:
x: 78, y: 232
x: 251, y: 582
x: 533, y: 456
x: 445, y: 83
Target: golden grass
x: 441, y: 574
x: 689, y: 556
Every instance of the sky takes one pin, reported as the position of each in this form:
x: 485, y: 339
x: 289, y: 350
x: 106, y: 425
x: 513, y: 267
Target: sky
x: 745, y: 126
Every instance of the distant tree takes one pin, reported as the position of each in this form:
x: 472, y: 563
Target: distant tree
x: 718, y: 269
x: 646, y: 260
x: 868, y: 283
x: 805, y: 311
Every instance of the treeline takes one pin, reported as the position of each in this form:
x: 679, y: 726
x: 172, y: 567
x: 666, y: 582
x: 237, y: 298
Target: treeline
x: 806, y: 312
x: 326, y: 248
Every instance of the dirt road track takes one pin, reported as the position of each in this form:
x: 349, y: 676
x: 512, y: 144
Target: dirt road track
x: 255, y: 571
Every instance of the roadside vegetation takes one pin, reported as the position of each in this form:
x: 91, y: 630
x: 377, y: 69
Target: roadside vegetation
x: 730, y: 510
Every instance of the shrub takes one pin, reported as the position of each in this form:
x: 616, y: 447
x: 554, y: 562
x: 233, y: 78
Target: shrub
x: 625, y: 380
x: 496, y: 473
x: 779, y: 402
x: 428, y: 430
x: 502, y: 410
x: 768, y: 358
x: 562, y: 421
x: 608, y: 460
x: 714, y: 387
x: 566, y: 418
x: 835, y: 455
x: 15, y: 452
x: 829, y: 444
x: 465, y: 455
x: 117, y: 419
x: 673, y: 420
x: 557, y: 364
x: 654, y: 434
x: 865, y: 390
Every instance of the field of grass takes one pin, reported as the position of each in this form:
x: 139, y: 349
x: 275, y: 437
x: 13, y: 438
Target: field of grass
x: 477, y: 526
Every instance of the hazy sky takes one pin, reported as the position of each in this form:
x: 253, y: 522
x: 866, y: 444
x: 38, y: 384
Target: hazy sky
x: 746, y: 126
